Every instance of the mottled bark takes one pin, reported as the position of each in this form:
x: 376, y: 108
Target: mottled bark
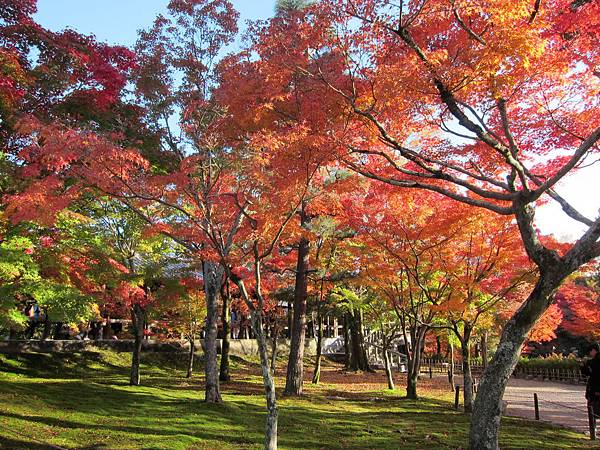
x: 487, y: 408
x: 137, y: 320
x: 213, y: 277
x: 269, y: 384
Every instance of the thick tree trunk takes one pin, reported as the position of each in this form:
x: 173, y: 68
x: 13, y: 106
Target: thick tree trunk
x: 137, y: 319
x: 487, y: 408
x: 295, y: 368
x: 190, y: 369
x: 388, y: 370
x: 467, y: 377
x: 414, y: 361
x: 225, y: 344
x: 317, y: 373
x: 213, y: 277
x: 358, y: 354
x: 411, y: 386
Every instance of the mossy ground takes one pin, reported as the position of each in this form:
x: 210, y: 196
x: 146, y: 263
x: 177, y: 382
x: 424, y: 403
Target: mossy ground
x: 83, y: 401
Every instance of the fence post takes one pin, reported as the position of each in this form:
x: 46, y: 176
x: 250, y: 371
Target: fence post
x: 592, y: 421
x: 430, y: 372
x: 536, y: 406
x: 456, y: 396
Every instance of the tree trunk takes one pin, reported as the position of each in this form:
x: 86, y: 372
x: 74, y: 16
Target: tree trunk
x: 451, y: 366
x: 295, y: 368
x: 137, y: 319
x: 272, y: 411
x: 466, y: 366
x: 347, y: 355
x: 225, y: 344
x: 487, y: 408
x: 438, y: 343
x: 411, y: 386
x: 484, y: 350
x: 274, y: 352
x: 357, y: 355
x: 317, y: 373
x: 388, y: 370
x: 414, y: 361
x: 190, y: 369
x: 213, y: 277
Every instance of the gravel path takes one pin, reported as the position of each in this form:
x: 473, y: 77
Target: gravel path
x: 560, y: 404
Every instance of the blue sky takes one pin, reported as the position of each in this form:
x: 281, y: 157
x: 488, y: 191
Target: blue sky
x: 117, y: 21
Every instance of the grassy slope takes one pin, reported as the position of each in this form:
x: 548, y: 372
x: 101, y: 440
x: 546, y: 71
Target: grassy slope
x: 83, y: 401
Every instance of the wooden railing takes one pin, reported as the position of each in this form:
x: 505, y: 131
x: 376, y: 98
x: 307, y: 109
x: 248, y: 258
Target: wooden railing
x: 572, y: 375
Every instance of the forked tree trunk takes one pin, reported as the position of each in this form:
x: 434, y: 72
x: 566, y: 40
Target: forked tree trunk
x: 317, y: 373
x: 213, y: 277
x: 295, y: 368
x: 137, y: 320
x: 225, y: 342
x: 388, y: 370
x: 487, y: 408
x: 190, y: 369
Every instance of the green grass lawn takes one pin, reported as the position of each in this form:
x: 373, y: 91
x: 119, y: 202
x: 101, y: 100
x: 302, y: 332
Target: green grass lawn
x: 83, y: 401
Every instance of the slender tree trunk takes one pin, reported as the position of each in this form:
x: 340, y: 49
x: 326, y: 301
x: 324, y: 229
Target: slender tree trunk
x: 269, y: 384
x: 295, y: 368
x: 484, y: 349
x: 274, y: 351
x: 213, y: 277
x: 137, y: 319
x: 438, y: 343
x: 317, y: 373
x: 225, y: 342
x: 347, y: 355
x: 487, y: 408
x: 388, y: 370
x: 190, y: 369
x: 466, y: 366
x: 451, y: 366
